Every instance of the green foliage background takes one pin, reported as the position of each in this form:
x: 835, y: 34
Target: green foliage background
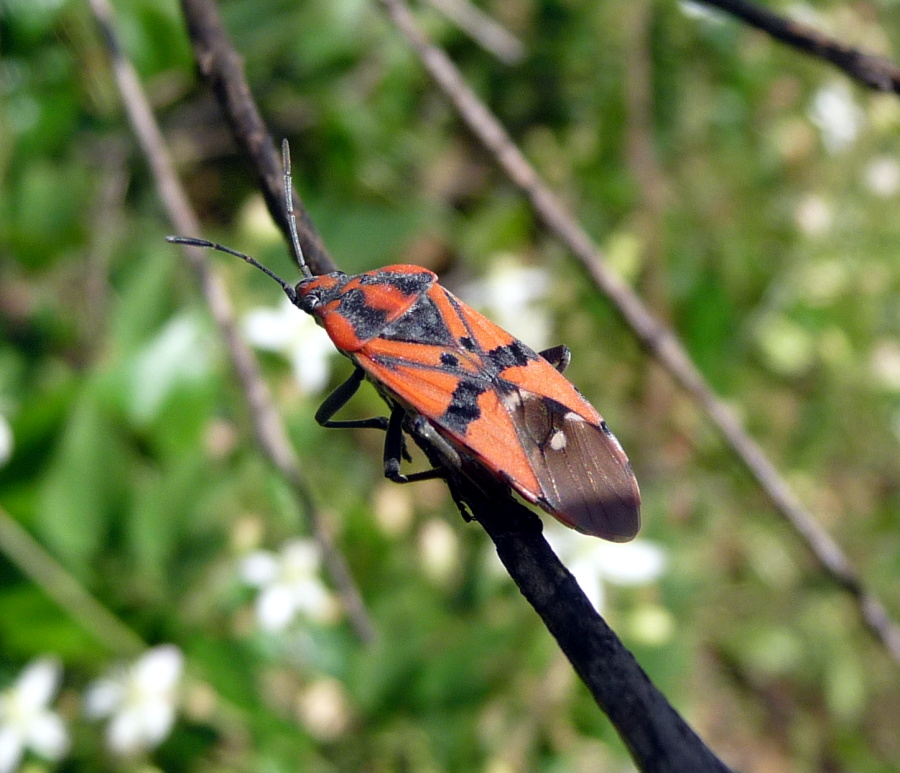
x: 768, y: 252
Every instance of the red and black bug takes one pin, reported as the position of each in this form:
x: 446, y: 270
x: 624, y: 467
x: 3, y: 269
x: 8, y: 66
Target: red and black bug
x: 474, y: 393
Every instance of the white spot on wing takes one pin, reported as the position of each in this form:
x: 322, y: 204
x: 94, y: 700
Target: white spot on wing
x: 572, y: 416
x: 558, y: 440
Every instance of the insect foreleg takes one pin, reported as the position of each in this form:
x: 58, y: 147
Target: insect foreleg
x: 339, y: 398
x: 558, y: 356
x: 422, y: 428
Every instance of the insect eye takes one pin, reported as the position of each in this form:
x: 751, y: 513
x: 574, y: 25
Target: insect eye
x: 307, y: 299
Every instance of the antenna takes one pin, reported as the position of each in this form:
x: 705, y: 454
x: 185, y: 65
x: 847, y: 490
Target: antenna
x: 289, y: 208
x: 192, y: 242
x: 292, y: 221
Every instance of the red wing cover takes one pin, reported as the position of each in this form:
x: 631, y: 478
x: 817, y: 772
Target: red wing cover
x: 508, y: 409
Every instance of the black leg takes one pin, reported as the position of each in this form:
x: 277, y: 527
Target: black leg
x: 458, y: 500
x: 424, y: 430
x: 427, y: 433
x: 558, y: 356
x: 338, y: 399
x: 394, y: 447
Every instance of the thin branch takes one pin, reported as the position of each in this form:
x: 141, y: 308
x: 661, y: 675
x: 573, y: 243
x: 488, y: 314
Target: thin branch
x: 105, y: 226
x: 223, y: 70
x: 41, y: 568
x: 267, y: 425
x: 656, y: 337
x: 489, y: 34
x: 657, y: 736
x: 45, y: 572
x: 875, y: 72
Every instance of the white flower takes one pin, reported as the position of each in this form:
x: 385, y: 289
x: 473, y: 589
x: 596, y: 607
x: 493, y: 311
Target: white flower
x: 511, y: 295
x: 438, y: 549
x: 297, y: 337
x: 882, y: 176
x: 140, y: 699
x: 25, y: 720
x: 289, y: 585
x: 594, y: 562
x: 324, y: 709
x: 697, y: 11
x: 179, y: 354
x: 814, y: 215
x: 6, y: 440
x: 836, y: 115
x: 886, y: 364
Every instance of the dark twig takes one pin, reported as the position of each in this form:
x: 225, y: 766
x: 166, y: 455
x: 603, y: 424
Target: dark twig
x: 655, y: 336
x: 223, y: 69
x: 871, y: 70
x: 267, y: 425
x: 656, y: 735
x: 658, y: 738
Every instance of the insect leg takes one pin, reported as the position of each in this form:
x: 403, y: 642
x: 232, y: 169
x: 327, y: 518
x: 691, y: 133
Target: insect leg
x: 394, y: 447
x: 424, y: 430
x: 392, y: 460
x: 339, y: 398
x: 464, y: 510
x: 558, y: 356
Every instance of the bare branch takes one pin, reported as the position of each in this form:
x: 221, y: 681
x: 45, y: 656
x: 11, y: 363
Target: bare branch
x: 267, y: 425
x: 656, y: 735
x: 658, y: 738
x: 490, y: 35
x: 223, y: 69
x: 656, y: 337
x: 42, y: 569
x: 45, y: 572
x: 870, y: 70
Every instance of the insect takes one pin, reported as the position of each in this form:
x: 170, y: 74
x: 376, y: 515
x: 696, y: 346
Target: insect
x: 473, y: 392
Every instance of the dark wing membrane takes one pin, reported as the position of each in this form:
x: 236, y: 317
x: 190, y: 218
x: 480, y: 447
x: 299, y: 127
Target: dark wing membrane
x: 585, y: 478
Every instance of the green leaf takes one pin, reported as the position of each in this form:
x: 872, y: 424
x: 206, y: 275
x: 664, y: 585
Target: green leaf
x: 83, y: 488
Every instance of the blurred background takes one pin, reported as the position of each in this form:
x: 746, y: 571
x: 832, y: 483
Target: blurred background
x: 748, y: 193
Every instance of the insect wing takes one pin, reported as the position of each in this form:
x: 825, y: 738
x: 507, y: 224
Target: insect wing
x: 509, y: 409
x: 449, y: 386
x: 585, y: 478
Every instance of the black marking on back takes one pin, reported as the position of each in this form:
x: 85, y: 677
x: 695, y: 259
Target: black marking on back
x: 511, y: 355
x: 408, y: 284
x: 464, y: 408
x: 421, y: 324
x: 368, y: 322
